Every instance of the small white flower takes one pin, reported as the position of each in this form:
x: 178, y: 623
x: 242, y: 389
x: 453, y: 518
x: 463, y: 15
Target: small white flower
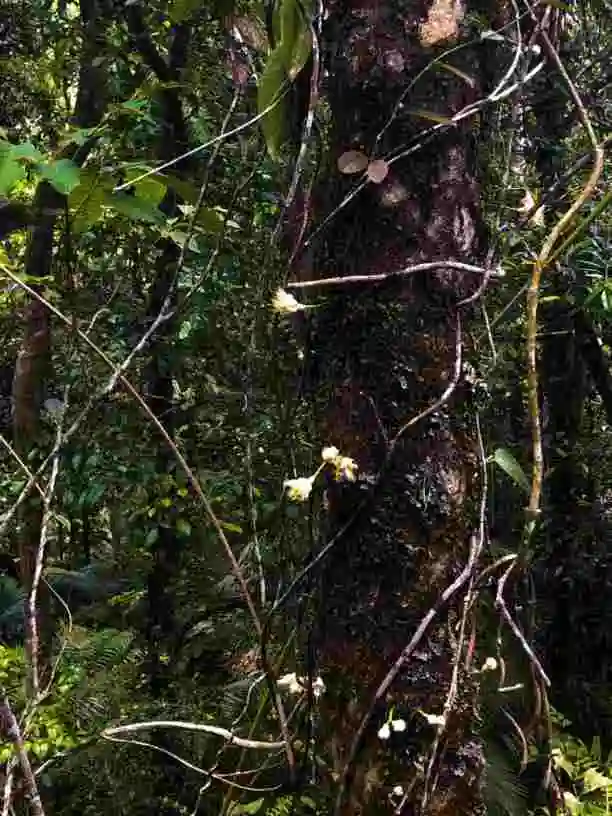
x: 299, y: 685
x: 398, y: 790
x: 398, y: 725
x: 329, y: 454
x: 434, y: 719
x: 298, y: 490
x: 490, y: 664
x: 285, y: 303
x: 318, y: 688
x: 291, y: 683
x: 384, y: 732
x: 346, y: 469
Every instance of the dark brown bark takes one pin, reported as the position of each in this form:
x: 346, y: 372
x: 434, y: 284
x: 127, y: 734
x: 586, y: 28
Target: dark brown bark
x: 382, y: 354
x: 33, y: 365
x: 162, y: 627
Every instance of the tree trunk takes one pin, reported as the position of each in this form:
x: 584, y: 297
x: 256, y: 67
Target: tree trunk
x: 33, y: 366
x: 382, y: 354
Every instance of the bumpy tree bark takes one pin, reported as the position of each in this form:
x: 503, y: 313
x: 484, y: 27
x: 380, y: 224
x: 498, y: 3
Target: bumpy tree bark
x: 383, y: 354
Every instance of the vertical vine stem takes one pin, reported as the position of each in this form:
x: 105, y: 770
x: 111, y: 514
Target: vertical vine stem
x: 540, y: 265
x: 10, y: 728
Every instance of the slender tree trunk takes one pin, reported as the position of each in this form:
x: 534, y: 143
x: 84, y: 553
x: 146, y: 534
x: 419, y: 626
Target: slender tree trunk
x: 33, y: 366
x: 161, y: 620
x: 383, y: 354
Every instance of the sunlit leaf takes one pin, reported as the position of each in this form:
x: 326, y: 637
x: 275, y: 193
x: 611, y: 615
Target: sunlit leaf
x: 282, y: 66
x: 11, y: 172
x: 86, y: 202
x: 134, y: 208
x: 506, y: 461
x: 63, y: 175
x: 27, y: 151
x: 594, y: 780
x: 270, y: 98
x: 181, y: 10
x: 180, y: 238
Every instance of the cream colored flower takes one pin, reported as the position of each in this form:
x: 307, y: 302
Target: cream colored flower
x: 434, y: 719
x: 298, y: 490
x: 346, y: 469
x: 490, y: 664
x: 330, y: 454
x: 289, y: 682
x: 398, y: 725
x: 285, y: 303
x: 384, y: 732
x: 299, y: 685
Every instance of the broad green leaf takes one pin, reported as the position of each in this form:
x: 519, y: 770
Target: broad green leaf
x: 594, y: 780
x: 4, y: 259
x: 27, y: 151
x: 283, y: 65
x: 180, y: 238
x: 181, y: 10
x: 135, y: 105
x: 148, y: 189
x: 506, y: 461
x: 134, y: 208
x: 64, y: 175
x: 11, y: 172
x: 85, y: 202
x: 271, y: 91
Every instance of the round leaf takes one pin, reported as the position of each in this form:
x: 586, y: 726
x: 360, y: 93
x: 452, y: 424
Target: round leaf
x: 353, y: 161
x: 377, y: 171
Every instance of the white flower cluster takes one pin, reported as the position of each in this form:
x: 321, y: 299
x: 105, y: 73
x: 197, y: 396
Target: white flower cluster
x: 384, y: 732
x: 300, y: 685
x: 345, y: 470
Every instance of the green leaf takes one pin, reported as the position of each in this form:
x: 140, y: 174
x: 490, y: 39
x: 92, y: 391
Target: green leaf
x: 11, y: 171
x: 180, y: 238
x: 248, y: 808
x: 135, y: 105
x: 64, y: 175
x: 506, y: 461
x: 182, y: 10
x: 27, y: 151
x: 282, y: 67
x: 86, y: 201
x: 183, y: 527
x: 271, y: 91
x: 134, y: 208
x: 594, y: 780
x: 231, y: 527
